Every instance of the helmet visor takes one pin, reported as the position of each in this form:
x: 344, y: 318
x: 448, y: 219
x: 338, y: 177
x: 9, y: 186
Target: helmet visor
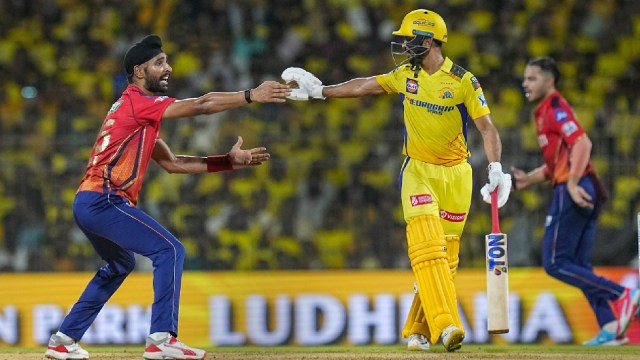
x: 405, y: 48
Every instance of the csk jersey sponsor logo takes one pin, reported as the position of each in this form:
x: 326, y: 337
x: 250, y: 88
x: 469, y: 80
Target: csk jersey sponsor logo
x: 569, y: 128
x: 561, y: 115
x: 452, y: 217
x: 483, y: 101
x: 421, y: 199
x: 446, y: 93
x: 412, y: 86
x: 432, y: 108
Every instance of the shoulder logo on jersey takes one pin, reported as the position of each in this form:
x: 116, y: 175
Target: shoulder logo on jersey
x: 421, y: 199
x: 159, y: 99
x: 475, y: 83
x: 569, y: 128
x: 483, y: 101
x: 446, y: 93
x: 115, y: 106
x: 561, y: 115
x: 412, y: 86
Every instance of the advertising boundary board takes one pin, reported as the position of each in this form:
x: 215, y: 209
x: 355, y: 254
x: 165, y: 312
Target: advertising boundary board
x: 298, y: 307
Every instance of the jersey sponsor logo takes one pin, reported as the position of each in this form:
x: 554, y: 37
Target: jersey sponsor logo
x: 542, y: 140
x: 412, y: 86
x: 159, y: 99
x: 569, y: 128
x: 452, y: 217
x: 432, y: 108
x: 561, y: 115
x: 475, y: 83
x: 446, y: 93
x: 115, y: 106
x: 421, y: 199
x: 483, y: 101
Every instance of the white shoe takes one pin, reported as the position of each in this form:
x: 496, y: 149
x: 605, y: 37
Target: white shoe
x: 61, y: 349
x: 452, y: 338
x: 171, y: 348
x: 417, y: 342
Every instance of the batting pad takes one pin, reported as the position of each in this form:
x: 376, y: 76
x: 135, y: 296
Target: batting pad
x: 429, y: 260
x: 453, y: 249
x: 416, y: 322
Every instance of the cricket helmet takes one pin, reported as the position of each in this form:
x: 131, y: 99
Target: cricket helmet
x: 425, y: 23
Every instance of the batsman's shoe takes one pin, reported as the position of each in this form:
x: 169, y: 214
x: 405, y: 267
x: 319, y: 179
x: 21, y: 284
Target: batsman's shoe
x: 417, y: 342
x: 171, y: 348
x: 606, y: 338
x: 452, y: 338
x: 628, y: 305
x: 61, y: 349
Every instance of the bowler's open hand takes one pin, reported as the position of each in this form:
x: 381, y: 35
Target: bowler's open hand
x: 242, y: 158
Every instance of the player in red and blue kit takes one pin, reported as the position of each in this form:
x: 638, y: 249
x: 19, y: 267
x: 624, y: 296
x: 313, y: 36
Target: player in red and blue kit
x: 578, y: 197
x: 105, y: 204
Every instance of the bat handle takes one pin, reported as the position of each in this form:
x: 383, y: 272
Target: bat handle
x: 495, y: 217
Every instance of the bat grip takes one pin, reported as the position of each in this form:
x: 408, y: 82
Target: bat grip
x: 495, y: 218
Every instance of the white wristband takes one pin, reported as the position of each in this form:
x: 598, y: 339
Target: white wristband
x: 316, y: 92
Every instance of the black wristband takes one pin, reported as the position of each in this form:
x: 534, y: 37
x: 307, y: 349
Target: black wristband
x: 247, y: 96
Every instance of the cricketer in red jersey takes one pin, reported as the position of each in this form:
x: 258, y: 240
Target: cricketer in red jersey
x: 105, y: 204
x: 577, y: 199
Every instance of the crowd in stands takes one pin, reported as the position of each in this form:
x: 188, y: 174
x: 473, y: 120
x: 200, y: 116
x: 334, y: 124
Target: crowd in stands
x: 328, y: 198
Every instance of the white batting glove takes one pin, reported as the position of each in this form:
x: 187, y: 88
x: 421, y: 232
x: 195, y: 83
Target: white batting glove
x: 499, y: 180
x: 306, y: 81
x: 299, y: 95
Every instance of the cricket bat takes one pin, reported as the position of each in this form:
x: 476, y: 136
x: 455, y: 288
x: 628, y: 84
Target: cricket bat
x: 497, y: 274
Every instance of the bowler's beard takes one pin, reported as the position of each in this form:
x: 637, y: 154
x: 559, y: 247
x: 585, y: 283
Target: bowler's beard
x: 153, y: 84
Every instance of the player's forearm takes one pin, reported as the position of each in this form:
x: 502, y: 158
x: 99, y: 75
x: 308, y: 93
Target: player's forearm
x: 579, y: 159
x: 214, y: 102
x: 184, y: 164
x: 537, y: 175
x: 492, y: 143
x: 353, y: 88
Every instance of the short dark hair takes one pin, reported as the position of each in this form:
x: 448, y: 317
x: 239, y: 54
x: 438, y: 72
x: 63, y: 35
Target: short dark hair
x: 548, y: 65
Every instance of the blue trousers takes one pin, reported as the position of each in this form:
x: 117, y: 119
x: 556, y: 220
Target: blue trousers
x: 566, y: 249
x: 117, y: 230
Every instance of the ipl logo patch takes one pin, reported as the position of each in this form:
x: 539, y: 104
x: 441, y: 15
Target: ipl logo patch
x: 561, y: 115
x: 412, y: 86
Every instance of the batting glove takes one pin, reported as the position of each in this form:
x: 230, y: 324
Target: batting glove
x: 499, y: 180
x: 307, y: 82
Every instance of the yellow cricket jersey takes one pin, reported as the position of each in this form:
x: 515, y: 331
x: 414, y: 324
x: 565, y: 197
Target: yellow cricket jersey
x: 437, y: 109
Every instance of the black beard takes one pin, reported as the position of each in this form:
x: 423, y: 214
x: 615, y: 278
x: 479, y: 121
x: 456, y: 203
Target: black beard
x: 153, y: 85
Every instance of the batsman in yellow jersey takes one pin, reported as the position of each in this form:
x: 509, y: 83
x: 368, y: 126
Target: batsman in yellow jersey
x: 439, y: 100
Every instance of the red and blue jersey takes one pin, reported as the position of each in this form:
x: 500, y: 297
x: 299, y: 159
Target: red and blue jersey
x: 558, y: 130
x: 122, y: 152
